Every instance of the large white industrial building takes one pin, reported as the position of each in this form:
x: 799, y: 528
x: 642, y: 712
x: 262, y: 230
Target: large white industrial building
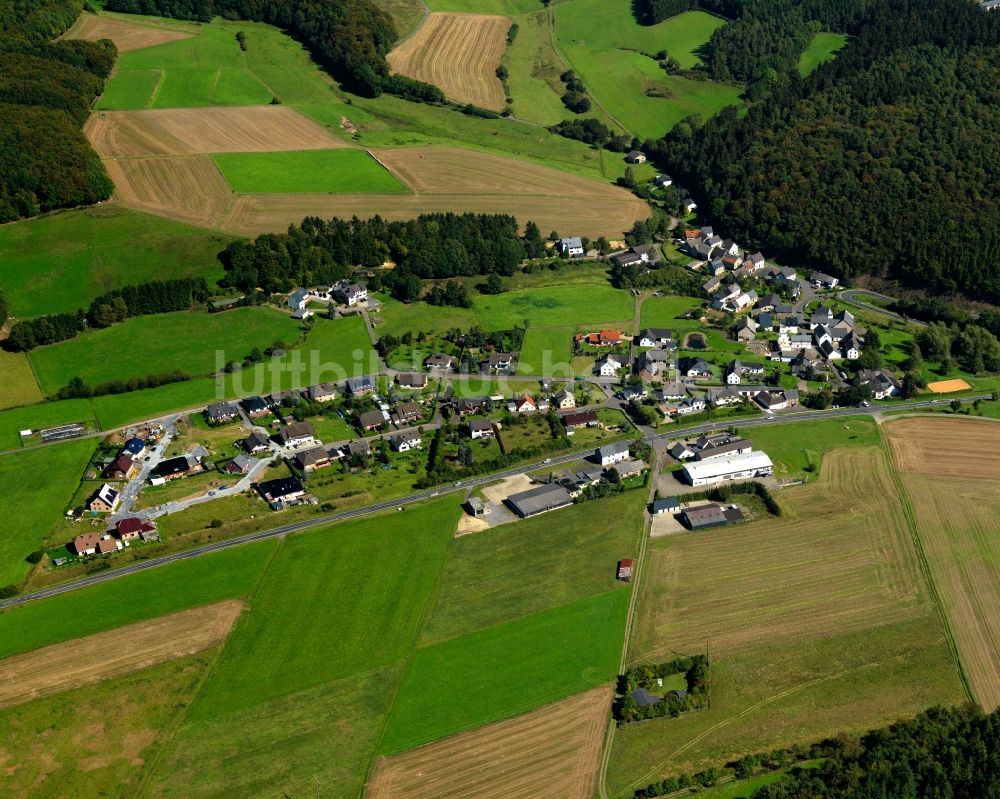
x: 743, y: 466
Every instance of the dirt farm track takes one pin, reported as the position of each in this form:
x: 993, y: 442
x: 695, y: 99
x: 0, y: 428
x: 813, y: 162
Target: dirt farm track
x: 459, y: 53
x: 88, y: 660
x: 551, y: 752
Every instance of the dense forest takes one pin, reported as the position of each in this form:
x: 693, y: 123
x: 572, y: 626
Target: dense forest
x: 46, y: 90
x: 349, y: 37
x: 431, y: 246
x: 885, y: 161
x: 941, y: 753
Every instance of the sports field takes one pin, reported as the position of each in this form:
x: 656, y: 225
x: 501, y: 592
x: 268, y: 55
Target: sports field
x: 549, y: 752
x: 823, y: 47
x: 459, y: 53
x: 951, y: 472
x: 37, y: 485
x: 59, y: 263
x: 207, y: 69
x: 608, y: 49
x: 84, y: 661
x: 340, y: 171
x: 196, y: 342
x: 816, y: 621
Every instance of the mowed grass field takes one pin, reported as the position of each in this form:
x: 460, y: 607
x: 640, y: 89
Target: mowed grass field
x: 195, y: 342
x: 459, y: 53
x: 207, y: 69
x: 608, y: 49
x: 38, y: 485
x: 59, y: 263
x: 322, y: 171
x: 797, y: 450
x: 815, y: 622
x: 823, y: 47
x: 19, y: 384
x: 581, y: 304
x: 950, y: 470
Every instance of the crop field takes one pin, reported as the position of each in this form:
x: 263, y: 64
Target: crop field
x: 37, y: 485
x: 19, y: 384
x: 607, y: 48
x: 957, y: 515
x: 187, y: 189
x: 823, y: 47
x: 458, y: 53
x: 489, y: 576
x: 199, y: 131
x: 589, y: 631
x: 550, y: 752
x: 83, y: 661
x: 126, y: 35
x: 449, y: 179
x: 59, y: 263
x: 192, y: 341
x: 584, y: 303
x: 207, y: 69
x: 816, y: 621
x: 340, y: 171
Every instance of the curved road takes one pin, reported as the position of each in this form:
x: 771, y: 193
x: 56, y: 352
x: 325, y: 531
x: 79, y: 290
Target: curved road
x: 277, y: 532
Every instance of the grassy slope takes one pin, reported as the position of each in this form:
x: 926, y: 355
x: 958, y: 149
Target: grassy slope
x: 505, y: 670
x: 208, y: 69
x: 59, y: 263
x: 19, y: 384
x: 37, y: 485
x: 320, y: 171
x: 192, y: 341
x: 493, y: 576
x: 823, y: 47
x: 605, y: 45
x: 406, y: 14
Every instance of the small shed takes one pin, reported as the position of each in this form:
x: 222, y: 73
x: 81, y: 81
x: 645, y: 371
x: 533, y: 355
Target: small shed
x: 625, y: 570
x: 476, y: 507
x: 665, y: 505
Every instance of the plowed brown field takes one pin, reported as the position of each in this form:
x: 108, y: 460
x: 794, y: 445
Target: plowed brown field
x: 187, y: 131
x: 97, y: 657
x: 552, y: 752
x: 951, y: 471
x: 125, y: 35
x: 452, y: 179
x: 458, y: 53
x: 190, y: 189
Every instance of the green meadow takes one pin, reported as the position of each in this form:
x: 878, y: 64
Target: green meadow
x: 583, y: 303
x: 507, y: 669
x: 823, y: 47
x: 307, y: 171
x: 59, y: 263
x: 38, y: 485
x: 19, y: 384
x: 663, y: 311
x: 161, y: 343
x: 207, y: 69
x: 794, y: 447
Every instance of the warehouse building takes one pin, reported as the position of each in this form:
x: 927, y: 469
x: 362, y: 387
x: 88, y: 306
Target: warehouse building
x: 744, y: 466
x: 539, y: 500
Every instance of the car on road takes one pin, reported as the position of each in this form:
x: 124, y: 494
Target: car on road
x: 836, y: 407
x: 865, y: 404
x: 547, y: 460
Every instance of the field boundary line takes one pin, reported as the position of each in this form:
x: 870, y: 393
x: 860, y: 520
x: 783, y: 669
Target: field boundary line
x: 925, y: 569
x: 154, y: 763
x: 156, y: 89
x: 651, y: 773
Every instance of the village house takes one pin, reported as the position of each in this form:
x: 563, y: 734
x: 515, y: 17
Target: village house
x: 572, y: 421
x: 651, y: 363
x: 697, y: 369
x: 637, y: 254
x: 322, y: 392
x: 440, y: 361
x: 687, y: 406
x: 134, y: 447
x: 107, y: 545
x: 360, y: 386
x: 603, y: 338
x: 404, y: 442
x: 466, y: 405
x: 680, y: 451
x: 776, y: 400
x: 281, y: 492
x: 635, y: 157
x: 709, y: 447
x: 172, y: 469
x: 296, y: 434
x: 133, y: 529
x: 105, y: 499
x: 882, y: 384
x: 608, y: 366
x: 663, y: 181
x: 497, y: 362
x: 121, y: 468
x: 221, y: 412
x: 746, y: 329
x: 710, y: 285
x: 610, y: 454
x: 406, y: 413
x: 690, y: 205
x: 630, y: 468
x: 821, y: 280
x: 571, y: 247
x: 312, y: 459
x: 359, y: 449
x: 86, y: 544
x: 480, y: 428
x: 238, y: 465
x: 298, y: 299
x: 350, y: 294
x: 523, y: 403
x: 720, y: 397
x: 412, y: 380
x: 256, y: 442
x: 371, y: 420
x: 737, y: 371
x: 564, y: 400
x: 656, y: 337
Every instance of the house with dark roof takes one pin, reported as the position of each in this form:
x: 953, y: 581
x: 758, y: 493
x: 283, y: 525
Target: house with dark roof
x: 440, y: 361
x: 358, y: 386
x: 172, y: 468
x: 572, y: 247
x: 281, y: 492
x: 322, y: 392
x: 121, y: 468
x: 635, y: 157
x: 296, y: 434
x: 134, y: 447
x: 610, y: 454
x: 311, y: 459
x: 404, y: 442
x: 371, y: 420
x: 655, y: 337
x: 238, y: 465
x: 412, y: 380
x: 539, y: 500
x: 221, y: 412
x: 256, y: 442
x: 255, y: 406
x: 572, y: 421
x: 406, y: 413
x: 703, y: 517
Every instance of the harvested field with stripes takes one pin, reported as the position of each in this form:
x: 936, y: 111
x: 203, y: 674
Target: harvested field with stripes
x: 83, y: 661
x: 550, y: 752
x: 126, y: 35
x: 198, y: 131
x: 459, y: 53
x: 951, y: 471
x: 189, y: 189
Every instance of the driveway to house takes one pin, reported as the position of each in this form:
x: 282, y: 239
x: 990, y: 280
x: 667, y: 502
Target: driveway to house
x: 131, y: 491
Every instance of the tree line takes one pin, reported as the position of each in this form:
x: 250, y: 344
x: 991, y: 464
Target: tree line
x: 158, y: 296
x: 46, y: 91
x: 350, y: 38
x: 440, y: 245
x: 881, y: 162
